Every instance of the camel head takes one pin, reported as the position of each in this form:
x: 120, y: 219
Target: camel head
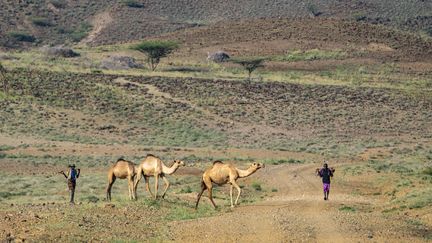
x: 179, y: 163
x: 257, y: 166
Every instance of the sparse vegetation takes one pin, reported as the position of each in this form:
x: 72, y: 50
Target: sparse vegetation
x: 133, y: 4
x: 80, y: 32
x: 347, y: 208
x: 155, y: 50
x: 4, y: 79
x: 41, y: 21
x: 257, y: 186
x: 313, y: 9
x: 428, y: 171
x: 21, y: 36
x: 59, y: 3
x: 310, y: 55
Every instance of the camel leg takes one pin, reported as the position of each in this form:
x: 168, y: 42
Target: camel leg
x: 167, y: 184
x: 137, y: 180
x: 231, y: 195
x: 147, y: 185
x: 211, y: 196
x: 156, y: 176
x: 134, y: 194
x: 203, y: 187
x: 111, y: 180
x: 130, y: 187
x: 238, y: 189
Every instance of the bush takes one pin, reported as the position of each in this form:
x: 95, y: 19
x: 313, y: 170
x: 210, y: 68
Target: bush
x: 313, y: 9
x: 257, y: 186
x: 429, y: 31
x: 58, y: 3
x: 81, y: 32
x: 39, y: 21
x: 21, y: 36
x: 428, y: 171
x: 133, y: 4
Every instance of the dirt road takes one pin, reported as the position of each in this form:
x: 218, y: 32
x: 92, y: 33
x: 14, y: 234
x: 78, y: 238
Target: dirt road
x: 297, y: 213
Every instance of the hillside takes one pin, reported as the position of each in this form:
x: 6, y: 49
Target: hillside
x: 343, y: 81
x: 66, y: 21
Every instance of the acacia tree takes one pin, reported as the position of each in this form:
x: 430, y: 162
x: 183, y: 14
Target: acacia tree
x: 250, y: 64
x: 155, y: 50
x: 4, y: 79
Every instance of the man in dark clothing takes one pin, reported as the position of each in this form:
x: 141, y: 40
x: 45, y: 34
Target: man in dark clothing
x: 71, y: 180
x: 325, y: 173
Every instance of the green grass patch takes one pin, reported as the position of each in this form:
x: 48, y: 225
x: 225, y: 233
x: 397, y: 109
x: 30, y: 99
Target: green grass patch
x: 133, y: 4
x: 21, y: 36
x: 427, y: 171
x: 184, y: 213
x: 40, y: 21
x: 283, y: 161
x: 80, y: 32
x: 257, y: 186
x: 347, y: 209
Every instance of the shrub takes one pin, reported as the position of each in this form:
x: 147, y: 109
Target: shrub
x: 155, y: 50
x: 429, y: 31
x: 313, y: 9
x: 81, y: 32
x: 359, y: 16
x: 257, y: 186
x: 428, y: 171
x: 133, y: 4
x: 40, y: 21
x: 58, y: 3
x: 21, y: 36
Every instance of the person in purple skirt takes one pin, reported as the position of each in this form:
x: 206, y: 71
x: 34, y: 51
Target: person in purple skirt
x: 326, y: 173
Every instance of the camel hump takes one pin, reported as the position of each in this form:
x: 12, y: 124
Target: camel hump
x: 120, y: 159
x: 217, y: 162
x: 150, y: 155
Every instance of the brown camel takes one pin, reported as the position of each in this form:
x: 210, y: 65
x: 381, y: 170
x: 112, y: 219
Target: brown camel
x: 153, y: 166
x: 220, y: 174
x: 122, y: 169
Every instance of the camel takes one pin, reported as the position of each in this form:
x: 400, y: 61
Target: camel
x: 220, y: 174
x: 153, y: 166
x: 122, y: 169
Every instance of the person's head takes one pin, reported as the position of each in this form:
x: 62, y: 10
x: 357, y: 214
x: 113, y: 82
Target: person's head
x: 325, y: 164
x: 72, y: 166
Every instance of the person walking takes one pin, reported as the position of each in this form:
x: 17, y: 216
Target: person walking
x: 71, y: 177
x: 326, y: 173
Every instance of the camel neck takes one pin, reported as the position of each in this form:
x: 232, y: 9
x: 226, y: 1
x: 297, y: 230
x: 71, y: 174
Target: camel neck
x: 169, y: 170
x: 245, y: 173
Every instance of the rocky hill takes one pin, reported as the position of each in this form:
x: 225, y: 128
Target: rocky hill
x: 27, y: 22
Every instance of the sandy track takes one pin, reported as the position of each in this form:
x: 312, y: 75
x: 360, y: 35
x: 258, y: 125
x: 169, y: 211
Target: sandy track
x: 297, y: 213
